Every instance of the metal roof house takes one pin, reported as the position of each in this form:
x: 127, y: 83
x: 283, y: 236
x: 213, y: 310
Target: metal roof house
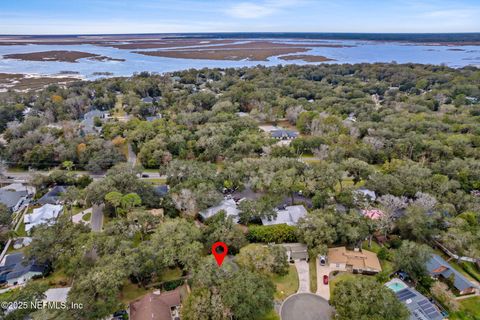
x: 290, y: 216
x: 419, y: 306
x: 227, y: 205
x: 16, y: 271
x: 437, y: 267
x: 44, y: 215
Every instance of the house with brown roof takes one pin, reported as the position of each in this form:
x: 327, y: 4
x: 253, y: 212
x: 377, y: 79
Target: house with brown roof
x: 356, y: 261
x: 157, y: 306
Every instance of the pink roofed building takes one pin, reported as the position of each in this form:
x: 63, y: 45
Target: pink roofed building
x: 373, y: 214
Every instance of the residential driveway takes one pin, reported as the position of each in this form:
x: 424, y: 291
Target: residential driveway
x: 303, y: 276
x: 322, y: 289
x: 305, y: 306
x: 79, y: 216
x: 96, y: 221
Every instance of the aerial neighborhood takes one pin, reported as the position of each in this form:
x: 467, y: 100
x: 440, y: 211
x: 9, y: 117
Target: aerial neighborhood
x: 340, y: 191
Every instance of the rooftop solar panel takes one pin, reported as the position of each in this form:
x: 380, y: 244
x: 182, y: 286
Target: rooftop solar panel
x: 405, y: 294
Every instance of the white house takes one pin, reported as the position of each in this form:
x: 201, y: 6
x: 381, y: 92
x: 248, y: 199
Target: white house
x: 43, y: 215
x: 227, y: 205
x: 290, y: 216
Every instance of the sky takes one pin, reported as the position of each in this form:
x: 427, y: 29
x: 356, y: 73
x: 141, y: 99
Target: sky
x: 176, y: 16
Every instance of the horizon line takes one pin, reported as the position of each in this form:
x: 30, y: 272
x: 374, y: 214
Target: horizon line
x: 243, y: 32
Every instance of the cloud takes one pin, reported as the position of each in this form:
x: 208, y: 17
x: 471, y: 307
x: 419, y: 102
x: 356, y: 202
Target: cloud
x: 251, y: 10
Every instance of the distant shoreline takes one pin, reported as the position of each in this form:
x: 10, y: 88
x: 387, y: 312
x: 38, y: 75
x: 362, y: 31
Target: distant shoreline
x: 417, y: 38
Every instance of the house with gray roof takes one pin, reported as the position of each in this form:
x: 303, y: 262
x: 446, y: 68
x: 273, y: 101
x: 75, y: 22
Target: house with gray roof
x: 369, y: 195
x: 296, y: 251
x: 290, y: 216
x: 227, y: 205
x: 283, y: 134
x: 88, y: 122
x: 153, y: 118
x: 13, y: 200
x: 419, y: 306
x: 438, y: 267
x: 151, y: 99
x: 16, y: 270
x: 52, y: 196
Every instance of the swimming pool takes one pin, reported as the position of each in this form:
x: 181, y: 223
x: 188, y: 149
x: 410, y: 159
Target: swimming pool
x: 396, y: 285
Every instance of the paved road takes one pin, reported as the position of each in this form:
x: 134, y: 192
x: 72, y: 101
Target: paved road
x: 96, y: 221
x: 305, y: 306
x: 303, y: 276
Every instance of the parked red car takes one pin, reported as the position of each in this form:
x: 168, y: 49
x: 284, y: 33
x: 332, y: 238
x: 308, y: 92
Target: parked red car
x: 325, y: 279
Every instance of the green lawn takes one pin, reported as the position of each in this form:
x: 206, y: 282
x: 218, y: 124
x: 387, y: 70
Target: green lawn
x: 171, y: 274
x: 286, y: 285
x: 131, y: 291
x: 21, y: 230
x: 313, y: 274
x: 272, y: 315
x: 56, y: 279
x: 157, y: 181
x: 87, y: 216
x: 469, y: 310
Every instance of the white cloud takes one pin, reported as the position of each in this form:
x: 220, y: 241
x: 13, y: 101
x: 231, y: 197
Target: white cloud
x: 251, y: 10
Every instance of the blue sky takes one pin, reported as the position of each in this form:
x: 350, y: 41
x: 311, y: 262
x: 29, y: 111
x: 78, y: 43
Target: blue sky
x: 157, y: 16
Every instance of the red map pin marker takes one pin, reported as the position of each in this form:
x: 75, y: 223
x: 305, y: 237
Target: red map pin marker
x: 219, y: 250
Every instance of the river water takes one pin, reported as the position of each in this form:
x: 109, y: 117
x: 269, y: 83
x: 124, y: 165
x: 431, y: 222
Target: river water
x: 355, y: 51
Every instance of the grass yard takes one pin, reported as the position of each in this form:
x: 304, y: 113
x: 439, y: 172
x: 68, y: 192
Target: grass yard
x: 469, y: 310
x: 272, y: 315
x: 312, y: 263
x: 56, y: 279
x: 170, y: 274
x: 286, y: 285
x: 131, y: 291
x: 342, y: 277
x: 86, y: 217
x: 157, y: 181
x: 21, y: 230
x: 310, y: 160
